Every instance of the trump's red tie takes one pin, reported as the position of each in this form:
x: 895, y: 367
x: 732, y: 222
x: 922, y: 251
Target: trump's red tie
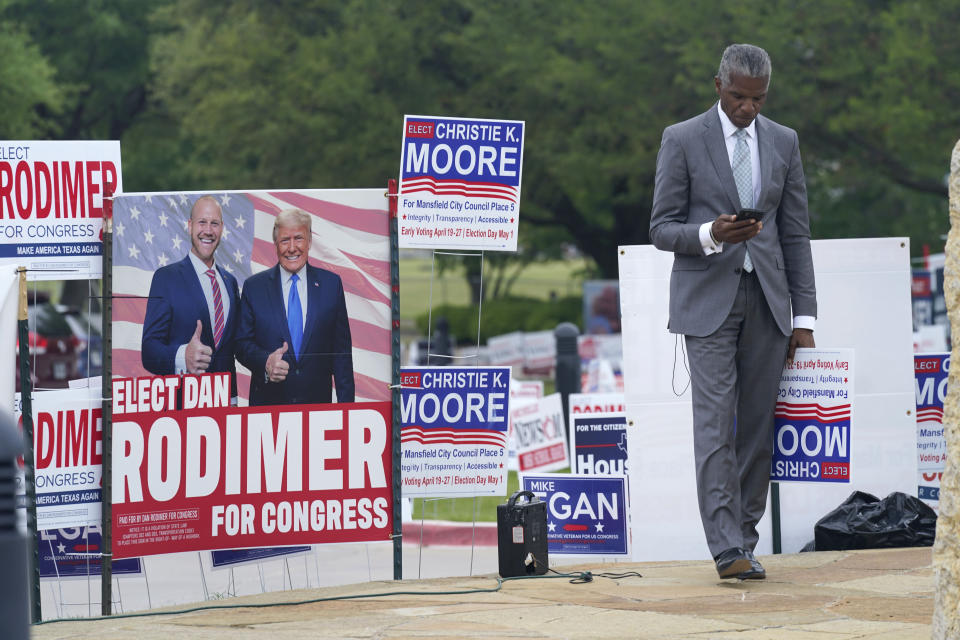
x: 217, y: 308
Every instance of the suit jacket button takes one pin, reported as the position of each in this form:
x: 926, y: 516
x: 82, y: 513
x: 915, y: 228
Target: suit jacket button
x: 737, y: 270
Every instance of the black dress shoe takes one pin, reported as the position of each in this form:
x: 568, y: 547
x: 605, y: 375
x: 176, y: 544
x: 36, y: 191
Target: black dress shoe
x: 732, y: 562
x: 755, y: 572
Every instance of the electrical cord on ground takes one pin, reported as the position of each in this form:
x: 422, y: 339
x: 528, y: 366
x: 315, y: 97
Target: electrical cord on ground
x: 579, y: 577
x: 583, y: 577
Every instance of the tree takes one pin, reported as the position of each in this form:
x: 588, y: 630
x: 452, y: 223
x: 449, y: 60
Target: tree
x: 28, y: 90
x: 312, y: 92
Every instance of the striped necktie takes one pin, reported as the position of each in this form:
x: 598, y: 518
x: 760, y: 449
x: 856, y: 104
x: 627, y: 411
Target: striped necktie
x: 217, y: 308
x: 743, y: 175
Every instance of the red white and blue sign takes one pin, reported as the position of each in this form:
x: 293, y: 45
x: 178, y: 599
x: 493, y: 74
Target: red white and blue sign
x: 454, y: 431
x: 586, y: 515
x: 599, y: 444
x: 813, y: 417
x: 230, y: 557
x: 931, y: 371
x: 75, y: 552
x: 460, y: 183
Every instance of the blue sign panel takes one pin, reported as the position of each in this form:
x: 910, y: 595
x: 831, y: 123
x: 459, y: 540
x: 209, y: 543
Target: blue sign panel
x: 600, y: 445
x: 586, y: 515
x: 70, y: 553
x: 228, y: 557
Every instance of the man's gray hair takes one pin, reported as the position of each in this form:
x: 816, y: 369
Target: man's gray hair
x: 744, y: 60
x: 292, y: 218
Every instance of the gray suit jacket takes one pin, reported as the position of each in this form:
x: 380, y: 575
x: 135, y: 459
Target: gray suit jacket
x: 694, y: 185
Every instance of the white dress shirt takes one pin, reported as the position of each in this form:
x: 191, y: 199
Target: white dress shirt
x: 181, y: 359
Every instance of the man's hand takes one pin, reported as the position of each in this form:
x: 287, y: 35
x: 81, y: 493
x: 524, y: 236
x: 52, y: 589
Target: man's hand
x: 726, y: 228
x: 277, y: 367
x: 799, y: 338
x: 197, y: 355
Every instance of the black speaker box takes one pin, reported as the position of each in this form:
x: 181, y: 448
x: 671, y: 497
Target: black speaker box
x: 522, y: 536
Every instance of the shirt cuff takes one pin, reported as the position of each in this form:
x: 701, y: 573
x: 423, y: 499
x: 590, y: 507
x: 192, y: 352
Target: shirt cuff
x: 180, y: 361
x: 706, y: 240
x: 804, y: 322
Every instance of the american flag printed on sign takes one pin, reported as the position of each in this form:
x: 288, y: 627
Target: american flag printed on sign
x: 427, y: 184
x: 350, y: 238
x: 421, y: 435
x: 815, y: 412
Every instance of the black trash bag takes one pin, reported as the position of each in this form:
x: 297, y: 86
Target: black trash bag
x: 864, y: 521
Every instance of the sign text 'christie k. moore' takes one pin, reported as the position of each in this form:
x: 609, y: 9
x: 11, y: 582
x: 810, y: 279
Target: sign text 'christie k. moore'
x: 460, y: 183
x: 454, y: 430
x: 243, y: 477
x: 812, y: 420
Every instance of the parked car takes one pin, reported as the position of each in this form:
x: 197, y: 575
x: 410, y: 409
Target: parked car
x: 87, y: 330
x: 53, y: 346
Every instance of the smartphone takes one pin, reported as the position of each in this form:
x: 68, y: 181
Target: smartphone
x: 750, y: 214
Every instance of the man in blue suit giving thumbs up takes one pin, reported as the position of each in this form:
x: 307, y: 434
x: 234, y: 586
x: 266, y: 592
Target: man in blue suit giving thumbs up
x: 294, y: 333
x: 193, y: 306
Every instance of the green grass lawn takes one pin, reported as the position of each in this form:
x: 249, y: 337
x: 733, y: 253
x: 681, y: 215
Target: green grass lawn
x: 463, y: 509
x: 537, y: 281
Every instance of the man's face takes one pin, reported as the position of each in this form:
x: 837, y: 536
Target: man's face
x: 205, y: 227
x: 293, y: 247
x: 742, y: 98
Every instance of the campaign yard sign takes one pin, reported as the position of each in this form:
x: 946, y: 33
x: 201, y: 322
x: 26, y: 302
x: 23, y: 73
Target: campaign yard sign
x: 506, y: 350
x: 454, y: 431
x: 812, y: 422
x: 67, y: 445
x: 51, y: 205
x: 599, y: 444
x: 521, y: 392
x: 596, y: 403
x: 74, y: 552
x: 539, y: 352
x: 586, y: 515
x: 293, y: 463
x: 213, y: 476
x: 930, y: 374
x: 540, y: 435
x: 460, y: 183
x: 524, y: 389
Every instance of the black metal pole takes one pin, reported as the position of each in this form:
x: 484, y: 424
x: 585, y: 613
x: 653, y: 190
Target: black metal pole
x: 395, y: 378
x: 29, y: 463
x: 568, y: 367
x: 106, y: 494
x: 775, y: 515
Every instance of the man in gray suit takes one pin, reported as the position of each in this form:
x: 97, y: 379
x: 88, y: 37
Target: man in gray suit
x: 742, y: 290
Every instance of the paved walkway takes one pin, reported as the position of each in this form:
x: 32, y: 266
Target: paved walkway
x: 876, y: 594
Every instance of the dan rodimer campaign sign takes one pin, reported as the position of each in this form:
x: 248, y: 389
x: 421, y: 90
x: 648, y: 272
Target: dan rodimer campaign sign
x: 238, y: 455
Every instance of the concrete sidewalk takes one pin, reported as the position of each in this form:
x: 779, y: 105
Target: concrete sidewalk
x: 876, y: 594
